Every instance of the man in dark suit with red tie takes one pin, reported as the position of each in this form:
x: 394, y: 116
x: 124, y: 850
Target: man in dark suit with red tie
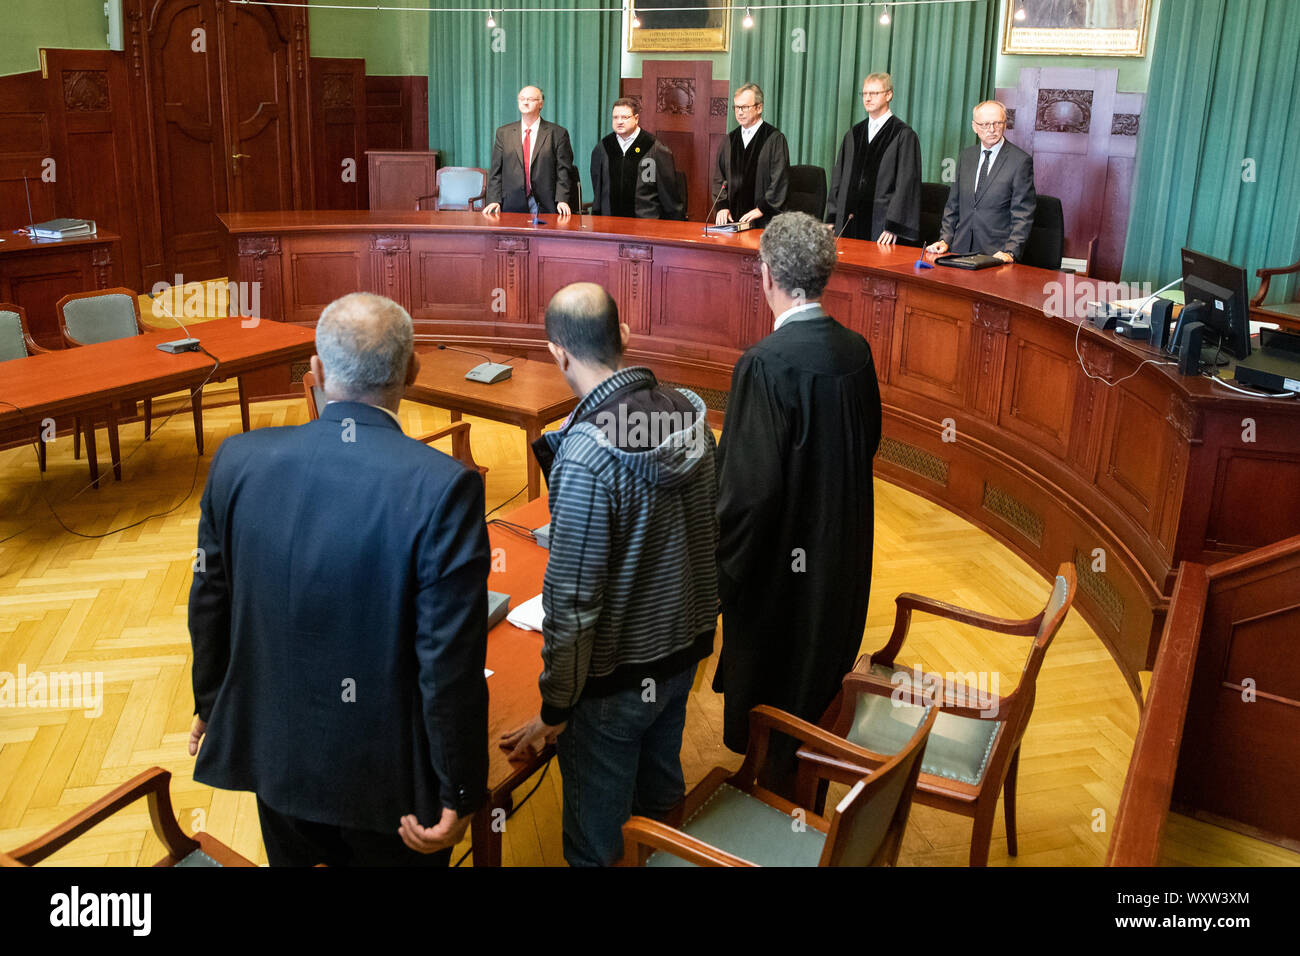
x: 991, y: 205
x: 532, y: 164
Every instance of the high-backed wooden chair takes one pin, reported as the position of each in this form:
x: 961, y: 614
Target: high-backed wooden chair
x: 974, y: 752
x: 458, y: 431
x: 154, y: 784
x: 16, y: 342
x: 731, y: 821
x: 1265, y: 277
x: 105, y: 315
x: 457, y: 187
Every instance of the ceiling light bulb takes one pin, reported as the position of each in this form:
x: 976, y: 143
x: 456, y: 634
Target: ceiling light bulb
x: 491, y: 21
x: 884, y: 18
x: 749, y: 19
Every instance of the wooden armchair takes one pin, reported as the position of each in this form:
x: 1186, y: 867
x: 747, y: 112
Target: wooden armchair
x: 458, y: 431
x: 199, y: 850
x: 974, y: 752
x: 105, y: 315
x: 732, y: 821
x: 1265, y: 276
x: 456, y: 187
x: 16, y: 342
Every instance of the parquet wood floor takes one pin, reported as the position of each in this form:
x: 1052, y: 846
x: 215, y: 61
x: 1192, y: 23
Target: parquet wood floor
x: 117, y: 605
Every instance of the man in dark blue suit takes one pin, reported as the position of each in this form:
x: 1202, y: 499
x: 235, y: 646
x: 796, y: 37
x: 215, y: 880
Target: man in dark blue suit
x: 991, y: 206
x: 339, y: 617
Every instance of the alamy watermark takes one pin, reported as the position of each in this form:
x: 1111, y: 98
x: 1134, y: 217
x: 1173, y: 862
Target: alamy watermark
x: 1073, y: 297
x: 973, y: 689
x: 639, y: 429
x: 182, y: 300
x: 56, y: 689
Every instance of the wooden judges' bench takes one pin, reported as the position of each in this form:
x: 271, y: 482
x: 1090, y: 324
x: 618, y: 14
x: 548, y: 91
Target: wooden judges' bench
x: 988, y: 409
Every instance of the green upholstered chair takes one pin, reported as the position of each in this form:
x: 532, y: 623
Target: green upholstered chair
x: 105, y: 315
x: 729, y: 820
x: 16, y: 342
x: 974, y: 751
x: 457, y: 187
x: 199, y: 850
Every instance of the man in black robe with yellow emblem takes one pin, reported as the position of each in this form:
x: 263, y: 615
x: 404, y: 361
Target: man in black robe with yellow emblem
x: 753, y: 163
x: 795, y: 502
x: 877, y: 174
x: 632, y: 173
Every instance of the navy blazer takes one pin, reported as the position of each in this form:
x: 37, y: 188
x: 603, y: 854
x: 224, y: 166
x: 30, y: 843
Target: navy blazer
x: 338, y: 616
x: 1002, y: 217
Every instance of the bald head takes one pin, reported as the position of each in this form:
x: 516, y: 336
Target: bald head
x: 364, y: 343
x: 582, y: 319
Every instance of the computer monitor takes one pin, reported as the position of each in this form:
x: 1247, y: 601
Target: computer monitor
x: 1221, y: 287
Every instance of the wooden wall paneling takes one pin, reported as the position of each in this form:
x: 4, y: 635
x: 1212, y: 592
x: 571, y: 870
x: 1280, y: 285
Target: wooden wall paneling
x: 990, y: 328
x: 397, y: 112
x: 512, y: 279
x: 1039, y: 399
x: 397, y: 178
x: 36, y: 278
x: 1240, y: 756
x: 636, y: 272
x: 26, y: 141
x: 320, y: 269
x: 1082, y: 134
x: 555, y: 263
x: 390, y: 267
x: 929, y: 354
x: 93, y: 126
x: 338, y: 131
x: 260, y: 264
x: 453, y: 283
x: 881, y: 301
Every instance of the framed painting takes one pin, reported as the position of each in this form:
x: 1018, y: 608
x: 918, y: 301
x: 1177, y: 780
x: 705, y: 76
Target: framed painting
x: 680, y: 26
x: 1076, y: 27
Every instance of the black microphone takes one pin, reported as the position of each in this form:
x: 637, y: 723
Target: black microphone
x: 453, y: 348
x: 847, y: 220
x: 708, y: 220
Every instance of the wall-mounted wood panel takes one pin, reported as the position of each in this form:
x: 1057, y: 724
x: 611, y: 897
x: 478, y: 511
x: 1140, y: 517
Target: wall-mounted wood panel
x: 338, y: 131
x: 397, y: 112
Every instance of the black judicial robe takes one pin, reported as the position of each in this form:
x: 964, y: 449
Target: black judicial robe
x: 796, y: 519
x: 654, y: 197
x: 895, y: 203
x: 651, y: 197
x: 757, y: 177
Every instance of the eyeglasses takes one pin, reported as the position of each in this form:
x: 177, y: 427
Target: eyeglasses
x: 991, y: 126
x: 745, y: 109
x: 866, y: 93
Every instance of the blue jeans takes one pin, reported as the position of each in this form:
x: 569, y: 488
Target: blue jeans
x: 621, y: 755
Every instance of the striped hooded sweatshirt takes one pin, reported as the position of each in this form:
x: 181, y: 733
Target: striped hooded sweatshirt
x: 631, y: 589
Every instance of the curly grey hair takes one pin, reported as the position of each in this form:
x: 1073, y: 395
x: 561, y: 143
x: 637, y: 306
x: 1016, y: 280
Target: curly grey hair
x: 365, y: 343
x: 800, y: 254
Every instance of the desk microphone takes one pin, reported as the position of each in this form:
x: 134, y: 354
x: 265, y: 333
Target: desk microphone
x: 486, y: 373
x: 708, y: 220
x: 848, y: 220
x: 187, y: 344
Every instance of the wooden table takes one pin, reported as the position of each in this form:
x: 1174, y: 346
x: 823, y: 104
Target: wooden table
x: 535, y: 395
x: 515, y: 658
x: 80, y: 380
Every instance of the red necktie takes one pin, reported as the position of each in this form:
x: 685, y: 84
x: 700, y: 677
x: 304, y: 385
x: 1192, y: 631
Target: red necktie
x: 528, y: 161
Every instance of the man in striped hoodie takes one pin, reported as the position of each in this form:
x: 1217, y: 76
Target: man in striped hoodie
x: 631, y: 590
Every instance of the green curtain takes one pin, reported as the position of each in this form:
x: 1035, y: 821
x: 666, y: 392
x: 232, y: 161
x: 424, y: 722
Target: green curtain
x: 475, y: 74
x: 941, y: 58
x: 1218, y: 156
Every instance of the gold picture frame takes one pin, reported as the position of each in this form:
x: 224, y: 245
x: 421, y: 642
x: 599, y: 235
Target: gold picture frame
x: 706, y: 28
x: 1076, y: 27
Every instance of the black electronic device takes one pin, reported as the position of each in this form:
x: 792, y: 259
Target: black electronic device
x: 1275, y: 365
x: 498, y: 607
x: 1221, y: 288
x: 1188, y: 337
x: 1137, y: 329
x: 1162, y: 311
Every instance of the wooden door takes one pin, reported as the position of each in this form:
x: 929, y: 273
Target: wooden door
x: 255, y: 64
x: 187, y: 113
x: 338, y: 132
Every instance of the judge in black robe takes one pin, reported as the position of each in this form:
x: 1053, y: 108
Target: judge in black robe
x: 756, y: 174
x: 640, y: 182
x: 795, y: 505
x: 877, y: 178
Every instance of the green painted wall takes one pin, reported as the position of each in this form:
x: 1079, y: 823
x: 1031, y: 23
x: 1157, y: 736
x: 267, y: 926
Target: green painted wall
x: 1133, y: 71
x: 392, y: 43
x: 28, y: 25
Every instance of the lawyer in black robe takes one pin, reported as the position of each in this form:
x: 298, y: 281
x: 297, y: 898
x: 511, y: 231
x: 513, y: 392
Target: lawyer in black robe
x: 757, y: 176
x: 879, y: 182
x: 640, y: 183
x: 796, y: 515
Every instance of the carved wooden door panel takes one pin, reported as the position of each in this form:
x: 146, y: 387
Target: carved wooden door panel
x: 255, y: 64
x: 187, y: 114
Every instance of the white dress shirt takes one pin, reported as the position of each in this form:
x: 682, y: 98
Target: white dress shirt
x: 873, y: 125
x: 747, y: 134
x: 993, y: 159
x: 532, y: 142
x: 626, y: 144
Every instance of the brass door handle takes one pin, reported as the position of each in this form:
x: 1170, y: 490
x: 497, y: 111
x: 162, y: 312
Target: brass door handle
x: 237, y: 157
